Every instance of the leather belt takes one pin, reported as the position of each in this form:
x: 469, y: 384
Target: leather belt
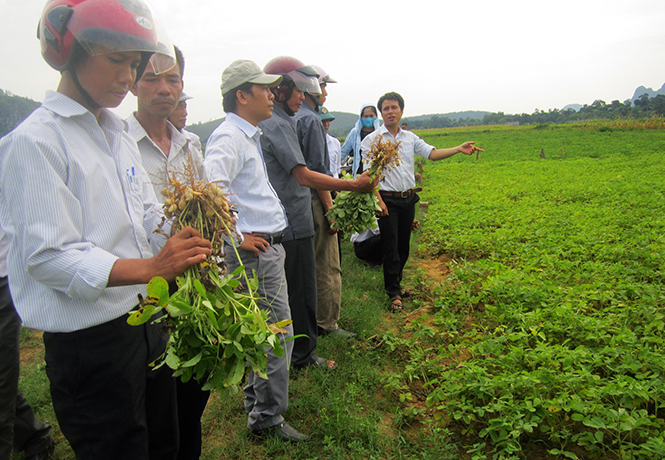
x: 272, y: 238
x: 404, y: 194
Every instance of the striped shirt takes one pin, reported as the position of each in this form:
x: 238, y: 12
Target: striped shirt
x: 234, y: 159
x: 4, y: 250
x: 74, y: 198
x: 158, y: 165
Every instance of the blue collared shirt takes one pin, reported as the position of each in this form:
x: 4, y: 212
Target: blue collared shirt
x: 74, y: 198
x: 234, y: 160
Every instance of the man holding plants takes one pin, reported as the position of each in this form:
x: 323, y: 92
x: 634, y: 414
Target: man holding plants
x: 80, y: 212
x: 312, y: 140
x: 166, y: 151
x: 397, y: 193
x: 291, y: 178
x: 234, y: 159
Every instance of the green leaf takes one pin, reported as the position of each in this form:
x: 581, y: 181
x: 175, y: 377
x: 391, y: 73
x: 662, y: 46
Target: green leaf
x: 199, y: 288
x: 193, y: 361
x: 141, y: 316
x: 237, y: 372
x: 178, y: 307
x: 158, y: 290
x: 211, y: 317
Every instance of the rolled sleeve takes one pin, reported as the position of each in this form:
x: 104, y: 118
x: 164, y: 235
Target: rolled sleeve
x: 92, y: 276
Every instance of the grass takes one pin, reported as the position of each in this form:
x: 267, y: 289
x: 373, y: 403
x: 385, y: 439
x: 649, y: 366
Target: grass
x: 538, y: 330
x: 348, y: 412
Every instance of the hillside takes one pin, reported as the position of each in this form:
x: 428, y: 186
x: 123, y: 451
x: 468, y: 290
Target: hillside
x: 650, y: 92
x: 13, y: 110
x: 344, y: 121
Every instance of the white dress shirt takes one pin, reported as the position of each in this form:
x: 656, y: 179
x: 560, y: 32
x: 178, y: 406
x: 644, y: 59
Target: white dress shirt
x: 194, y: 140
x: 234, y: 160
x: 4, y: 250
x: 157, y: 164
x: 74, y: 198
x: 335, y: 155
x: 401, y: 178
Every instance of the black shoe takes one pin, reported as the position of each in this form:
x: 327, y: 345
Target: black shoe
x: 338, y: 331
x: 283, y: 431
x: 43, y: 455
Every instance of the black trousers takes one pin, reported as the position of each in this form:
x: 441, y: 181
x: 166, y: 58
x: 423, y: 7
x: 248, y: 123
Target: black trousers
x: 192, y: 401
x: 370, y: 250
x: 109, y: 402
x: 300, y: 268
x: 20, y: 430
x: 396, y: 235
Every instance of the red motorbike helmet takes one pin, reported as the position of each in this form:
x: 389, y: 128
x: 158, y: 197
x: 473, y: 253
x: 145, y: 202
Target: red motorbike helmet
x: 324, y: 77
x: 102, y: 26
x: 305, y: 78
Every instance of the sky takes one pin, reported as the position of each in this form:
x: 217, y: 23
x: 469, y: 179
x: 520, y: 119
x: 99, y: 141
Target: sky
x: 513, y: 56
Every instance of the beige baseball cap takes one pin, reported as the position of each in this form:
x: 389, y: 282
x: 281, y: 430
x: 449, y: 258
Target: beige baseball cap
x: 245, y: 71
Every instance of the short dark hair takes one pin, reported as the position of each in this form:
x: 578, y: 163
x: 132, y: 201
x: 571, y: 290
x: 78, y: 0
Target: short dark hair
x: 230, y: 99
x: 180, y: 60
x: 392, y: 96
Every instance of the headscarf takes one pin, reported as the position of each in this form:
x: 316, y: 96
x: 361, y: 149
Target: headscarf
x: 352, y: 142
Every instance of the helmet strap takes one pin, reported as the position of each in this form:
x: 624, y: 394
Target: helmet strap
x: 77, y: 54
x: 284, y: 105
x: 92, y: 104
x: 315, y: 100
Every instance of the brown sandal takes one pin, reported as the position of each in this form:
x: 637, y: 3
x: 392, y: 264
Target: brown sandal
x: 396, y: 305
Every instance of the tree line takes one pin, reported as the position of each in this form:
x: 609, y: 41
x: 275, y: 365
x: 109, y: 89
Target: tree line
x: 13, y: 110
x: 643, y: 107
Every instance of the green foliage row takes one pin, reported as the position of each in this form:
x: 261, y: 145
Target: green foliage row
x: 549, y: 329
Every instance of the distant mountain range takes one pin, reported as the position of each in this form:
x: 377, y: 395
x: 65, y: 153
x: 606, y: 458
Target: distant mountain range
x: 342, y: 124
x: 636, y: 95
x: 643, y: 90
x: 14, y: 109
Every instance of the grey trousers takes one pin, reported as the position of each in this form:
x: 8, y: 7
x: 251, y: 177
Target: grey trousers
x: 20, y: 430
x: 267, y: 400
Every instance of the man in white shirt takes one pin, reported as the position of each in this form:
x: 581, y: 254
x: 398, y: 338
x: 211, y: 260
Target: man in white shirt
x: 164, y: 149
x: 179, y: 119
x: 234, y: 159
x: 80, y: 212
x: 334, y: 147
x: 397, y: 192
x: 166, y: 152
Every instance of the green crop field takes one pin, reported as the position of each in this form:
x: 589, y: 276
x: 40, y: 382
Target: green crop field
x: 538, y: 328
x: 547, y: 334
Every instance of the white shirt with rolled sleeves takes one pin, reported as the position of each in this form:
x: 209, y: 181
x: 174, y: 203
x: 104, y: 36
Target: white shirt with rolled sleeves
x: 401, y: 178
x: 157, y: 164
x: 74, y: 198
x: 233, y: 160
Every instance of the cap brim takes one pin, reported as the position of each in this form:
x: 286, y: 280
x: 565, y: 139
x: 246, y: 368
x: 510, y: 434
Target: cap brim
x: 270, y: 80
